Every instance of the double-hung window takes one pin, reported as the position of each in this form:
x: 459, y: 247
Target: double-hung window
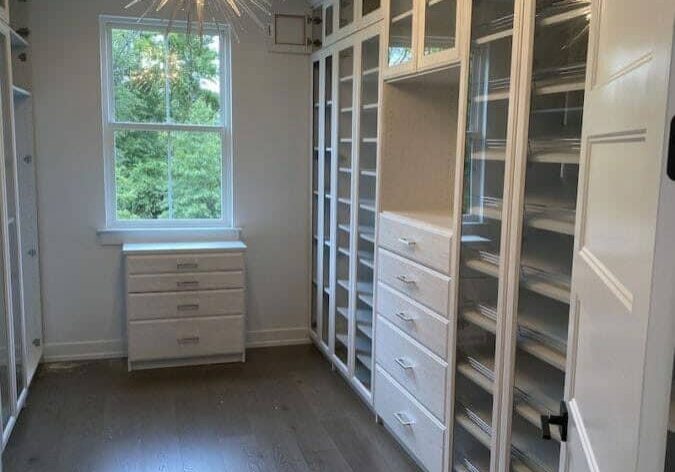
x: 166, y: 125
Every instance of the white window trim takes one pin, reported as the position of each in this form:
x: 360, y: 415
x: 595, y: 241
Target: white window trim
x: 106, y: 24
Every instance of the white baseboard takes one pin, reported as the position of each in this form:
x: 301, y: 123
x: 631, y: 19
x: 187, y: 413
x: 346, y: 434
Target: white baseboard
x: 277, y: 337
x: 85, y: 350
x: 117, y: 348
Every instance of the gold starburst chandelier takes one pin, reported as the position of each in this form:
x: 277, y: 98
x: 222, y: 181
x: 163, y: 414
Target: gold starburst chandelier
x: 198, y: 13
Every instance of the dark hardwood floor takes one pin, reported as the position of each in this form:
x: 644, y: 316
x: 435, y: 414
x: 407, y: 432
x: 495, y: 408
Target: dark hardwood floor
x: 284, y: 410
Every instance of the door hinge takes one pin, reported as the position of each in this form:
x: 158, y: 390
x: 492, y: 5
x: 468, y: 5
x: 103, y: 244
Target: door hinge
x: 28, y: 159
x: 37, y: 342
x: 557, y: 420
x: 32, y: 252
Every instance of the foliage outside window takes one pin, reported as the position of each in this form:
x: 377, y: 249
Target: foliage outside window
x: 165, y: 125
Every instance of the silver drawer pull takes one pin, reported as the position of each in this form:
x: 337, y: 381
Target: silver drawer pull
x: 193, y: 307
x: 404, y: 419
x: 188, y: 283
x: 188, y: 340
x: 405, y: 279
x: 404, y: 363
x: 187, y: 266
x: 404, y: 317
x: 407, y: 242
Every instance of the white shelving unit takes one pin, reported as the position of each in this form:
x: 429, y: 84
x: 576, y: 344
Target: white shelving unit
x: 342, y: 317
x: 21, y: 310
x: 515, y: 254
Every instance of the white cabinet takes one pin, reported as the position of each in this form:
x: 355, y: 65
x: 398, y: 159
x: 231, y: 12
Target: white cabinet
x: 345, y: 150
x: 20, y: 303
x: 521, y: 170
x: 342, y: 18
x: 185, y: 303
x: 421, y: 35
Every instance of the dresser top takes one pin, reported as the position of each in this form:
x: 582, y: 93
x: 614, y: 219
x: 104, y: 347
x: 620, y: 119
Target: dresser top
x: 204, y: 246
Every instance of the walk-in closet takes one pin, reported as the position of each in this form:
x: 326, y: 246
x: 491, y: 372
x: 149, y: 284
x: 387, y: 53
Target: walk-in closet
x: 337, y: 235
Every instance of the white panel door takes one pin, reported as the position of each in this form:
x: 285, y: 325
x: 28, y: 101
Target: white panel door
x: 623, y: 152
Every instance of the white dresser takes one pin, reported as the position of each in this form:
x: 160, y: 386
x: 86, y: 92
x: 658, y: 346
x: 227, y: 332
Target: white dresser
x: 411, y: 346
x: 185, y: 303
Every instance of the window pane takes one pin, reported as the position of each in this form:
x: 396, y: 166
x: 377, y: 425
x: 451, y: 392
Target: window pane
x: 141, y: 175
x: 194, y: 78
x: 138, y: 69
x: 196, y: 170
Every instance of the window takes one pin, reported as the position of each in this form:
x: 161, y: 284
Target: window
x: 166, y: 125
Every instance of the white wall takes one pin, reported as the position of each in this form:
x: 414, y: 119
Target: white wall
x: 82, y: 280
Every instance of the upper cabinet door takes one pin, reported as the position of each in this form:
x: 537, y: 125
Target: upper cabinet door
x: 439, y: 24
x: 4, y: 10
x: 618, y: 404
x: 421, y: 35
x: 401, y: 37
x: 329, y: 24
x: 346, y: 12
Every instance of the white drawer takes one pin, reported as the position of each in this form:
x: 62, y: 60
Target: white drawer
x: 426, y: 286
x: 145, y: 306
x: 417, y: 371
x: 413, y: 319
x: 419, y: 243
x: 156, y: 264
x: 177, y: 339
x: 183, y: 282
x: 422, y: 434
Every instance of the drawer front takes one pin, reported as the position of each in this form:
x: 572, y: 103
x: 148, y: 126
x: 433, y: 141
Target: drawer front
x: 426, y: 286
x: 417, y: 371
x: 414, y: 427
x: 416, y: 321
x: 179, y: 263
x: 184, y: 282
x: 176, y: 339
x: 417, y: 243
x: 146, y: 306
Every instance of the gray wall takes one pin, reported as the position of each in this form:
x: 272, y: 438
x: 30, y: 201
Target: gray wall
x: 82, y: 280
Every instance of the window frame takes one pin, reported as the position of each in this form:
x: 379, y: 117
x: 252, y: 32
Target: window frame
x: 110, y: 124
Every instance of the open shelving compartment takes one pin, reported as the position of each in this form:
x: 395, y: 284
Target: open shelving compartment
x: 418, y: 154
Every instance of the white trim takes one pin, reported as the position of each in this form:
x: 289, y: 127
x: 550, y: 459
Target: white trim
x: 278, y: 337
x: 117, y: 348
x: 583, y: 438
x: 106, y: 24
x: 119, y: 236
x: 85, y: 350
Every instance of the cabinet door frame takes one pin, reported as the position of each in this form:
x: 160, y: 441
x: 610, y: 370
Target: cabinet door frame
x: 502, y: 380
x: 319, y: 57
x: 400, y: 70
x: 447, y: 56
x: 329, y: 39
x: 17, y: 399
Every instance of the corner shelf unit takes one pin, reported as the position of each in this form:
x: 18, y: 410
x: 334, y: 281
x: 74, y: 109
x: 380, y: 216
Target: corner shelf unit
x: 345, y: 155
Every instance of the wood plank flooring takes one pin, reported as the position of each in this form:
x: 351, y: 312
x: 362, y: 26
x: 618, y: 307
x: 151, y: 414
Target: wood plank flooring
x: 284, y: 410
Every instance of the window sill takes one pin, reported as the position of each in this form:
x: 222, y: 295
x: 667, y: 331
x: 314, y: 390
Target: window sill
x: 119, y: 236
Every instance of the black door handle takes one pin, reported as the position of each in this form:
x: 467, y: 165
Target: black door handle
x: 670, y: 170
x: 558, y: 420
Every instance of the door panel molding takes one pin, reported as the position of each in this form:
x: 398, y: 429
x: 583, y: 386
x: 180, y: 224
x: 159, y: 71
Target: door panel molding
x: 606, y: 276
x: 578, y: 432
